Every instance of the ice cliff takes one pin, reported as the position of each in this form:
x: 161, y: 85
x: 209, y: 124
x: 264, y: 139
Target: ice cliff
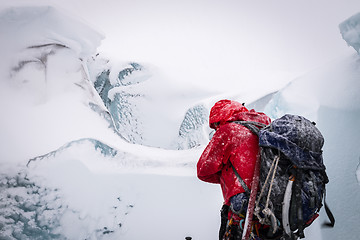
x: 192, y: 132
x: 120, y: 96
x: 350, y: 31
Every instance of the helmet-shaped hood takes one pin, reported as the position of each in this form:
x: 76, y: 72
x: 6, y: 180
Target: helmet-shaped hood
x: 223, y: 111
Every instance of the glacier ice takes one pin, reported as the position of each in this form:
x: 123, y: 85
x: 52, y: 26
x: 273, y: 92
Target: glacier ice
x: 29, y: 211
x: 350, y: 31
x: 125, y: 113
x: 103, y: 85
x: 191, y: 132
x: 125, y: 75
x: 121, y: 97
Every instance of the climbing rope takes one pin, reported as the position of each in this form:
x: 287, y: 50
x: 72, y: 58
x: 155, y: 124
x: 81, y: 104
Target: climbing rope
x: 276, y: 160
x: 267, y: 211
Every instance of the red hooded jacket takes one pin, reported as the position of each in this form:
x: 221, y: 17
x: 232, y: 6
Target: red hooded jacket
x: 231, y: 142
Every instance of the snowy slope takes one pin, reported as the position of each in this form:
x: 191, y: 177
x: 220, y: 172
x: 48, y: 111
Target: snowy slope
x: 83, y: 180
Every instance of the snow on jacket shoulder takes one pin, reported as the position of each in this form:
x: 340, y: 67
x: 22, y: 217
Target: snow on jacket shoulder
x: 231, y: 142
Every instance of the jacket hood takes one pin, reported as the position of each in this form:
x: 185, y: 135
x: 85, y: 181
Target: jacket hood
x: 223, y: 111
x: 227, y: 110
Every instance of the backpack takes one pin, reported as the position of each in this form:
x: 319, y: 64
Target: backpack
x: 292, y: 175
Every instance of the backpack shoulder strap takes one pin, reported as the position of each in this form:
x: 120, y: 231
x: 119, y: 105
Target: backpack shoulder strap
x: 252, y: 126
x: 329, y: 214
x: 242, y: 183
x: 255, y: 128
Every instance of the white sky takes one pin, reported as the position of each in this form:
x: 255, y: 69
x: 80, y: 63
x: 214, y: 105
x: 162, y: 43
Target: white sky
x: 220, y: 44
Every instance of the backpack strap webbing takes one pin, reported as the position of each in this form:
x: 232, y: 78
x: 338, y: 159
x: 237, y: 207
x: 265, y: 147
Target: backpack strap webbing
x: 242, y: 183
x: 329, y: 214
x: 299, y: 210
x: 252, y: 126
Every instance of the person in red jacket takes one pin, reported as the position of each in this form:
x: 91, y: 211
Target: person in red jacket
x: 233, y: 145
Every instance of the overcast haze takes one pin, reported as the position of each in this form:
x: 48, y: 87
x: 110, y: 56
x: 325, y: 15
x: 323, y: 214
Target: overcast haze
x: 247, y: 43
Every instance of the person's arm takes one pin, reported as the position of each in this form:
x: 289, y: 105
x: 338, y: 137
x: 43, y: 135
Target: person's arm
x: 213, y: 158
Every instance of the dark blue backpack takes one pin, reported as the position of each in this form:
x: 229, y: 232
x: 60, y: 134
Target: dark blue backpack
x: 292, y: 175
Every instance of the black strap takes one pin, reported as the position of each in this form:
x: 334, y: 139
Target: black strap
x: 255, y: 128
x: 224, y: 218
x: 252, y: 126
x: 329, y: 214
x: 242, y: 183
x: 300, y: 219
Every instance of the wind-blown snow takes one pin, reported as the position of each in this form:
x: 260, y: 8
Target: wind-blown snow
x: 70, y: 168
